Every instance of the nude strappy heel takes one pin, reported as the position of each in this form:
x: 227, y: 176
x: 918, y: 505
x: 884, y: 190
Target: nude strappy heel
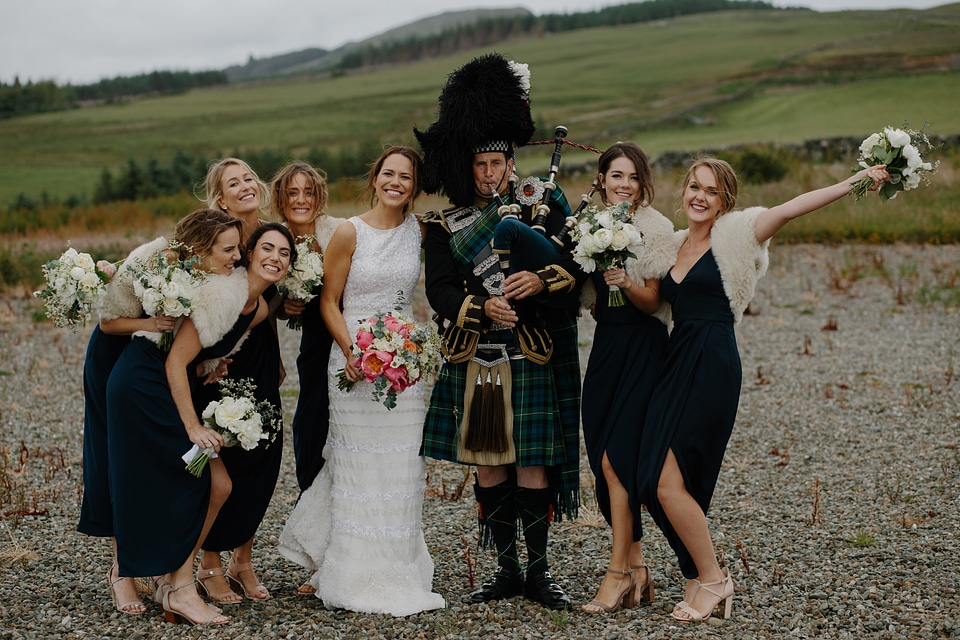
x: 625, y: 598
x: 722, y: 590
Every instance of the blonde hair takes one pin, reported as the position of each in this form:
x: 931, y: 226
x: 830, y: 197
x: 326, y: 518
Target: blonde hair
x: 728, y: 186
x: 214, y: 188
x: 417, y: 172
x: 316, y: 178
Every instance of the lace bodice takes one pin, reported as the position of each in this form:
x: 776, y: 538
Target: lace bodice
x: 384, y: 270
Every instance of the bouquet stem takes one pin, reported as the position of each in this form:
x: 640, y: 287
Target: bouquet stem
x: 166, y: 341
x: 295, y: 322
x: 615, y: 297
x: 199, y: 462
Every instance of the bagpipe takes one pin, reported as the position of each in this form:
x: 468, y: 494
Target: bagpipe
x: 527, y: 248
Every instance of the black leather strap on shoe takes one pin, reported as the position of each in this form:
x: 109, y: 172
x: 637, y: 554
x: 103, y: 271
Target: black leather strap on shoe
x: 544, y: 589
x: 501, y: 585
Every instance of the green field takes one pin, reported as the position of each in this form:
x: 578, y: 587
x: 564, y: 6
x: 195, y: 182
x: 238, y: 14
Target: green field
x: 700, y: 81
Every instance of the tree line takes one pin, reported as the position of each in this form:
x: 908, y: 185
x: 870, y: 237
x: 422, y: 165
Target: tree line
x: 19, y: 99
x: 489, y: 31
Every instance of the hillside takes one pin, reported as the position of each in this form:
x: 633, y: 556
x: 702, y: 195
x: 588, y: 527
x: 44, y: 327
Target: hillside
x: 321, y: 60
x: 675, y: 84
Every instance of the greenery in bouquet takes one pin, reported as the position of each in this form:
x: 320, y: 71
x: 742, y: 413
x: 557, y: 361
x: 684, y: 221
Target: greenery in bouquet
x: 166, y: 286
x: 605, y: 239
x: 75, y: 286
x: 392, y: 352
x: 304, y: 275
x: 240, y: 418
x: 899, y: 149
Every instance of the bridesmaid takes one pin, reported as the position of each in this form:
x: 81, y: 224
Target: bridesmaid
x: 103, y: 351
x: 234, y: 187
x: 160, y: 511
x: 299, y: 195
x: 721, y: 256
x: 628, y: 349
x: 253, y: 473
x: 298, y: 198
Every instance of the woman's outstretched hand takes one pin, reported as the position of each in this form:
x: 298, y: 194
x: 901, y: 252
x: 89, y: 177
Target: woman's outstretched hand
x: 876, y: 173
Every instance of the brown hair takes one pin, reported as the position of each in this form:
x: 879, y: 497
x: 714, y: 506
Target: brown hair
x: 410, y: 154
x: 728, y: 185
x: 214, y: 188
x: 316, y: 178
x: 197, y: 232
x: 634, y: 154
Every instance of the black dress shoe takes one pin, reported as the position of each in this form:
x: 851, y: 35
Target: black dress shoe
x: 501, y: 585
x: 542, y: 588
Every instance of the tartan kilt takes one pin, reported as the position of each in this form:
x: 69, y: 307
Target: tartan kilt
x: 546, y: 406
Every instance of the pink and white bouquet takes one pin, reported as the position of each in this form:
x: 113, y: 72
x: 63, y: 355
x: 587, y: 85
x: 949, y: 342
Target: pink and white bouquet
x: 240, y: 418
x: 393, y: 352
x: 166, y: 288
x: 75, y: 286
x: 605, y: 239
x: 304, y: 274
x: 899, y: 149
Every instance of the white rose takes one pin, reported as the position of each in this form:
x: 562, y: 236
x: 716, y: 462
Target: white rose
x: 210, y: 409
x: 172, y: 290
x: 77, y: 273
x: 587, y: 263
x: 605, y: 220
x: 603, y: 238
x: 229, y: 413
x: 90, y: 281
x: 897, y: 137
x: 911, y: 181
x: 866, y: 147
x: 913, y: 156
x: 588, y: 245
x: 174, y: 308
x: 69, y: 256
x: 620, y: 240
x: 84, y: 261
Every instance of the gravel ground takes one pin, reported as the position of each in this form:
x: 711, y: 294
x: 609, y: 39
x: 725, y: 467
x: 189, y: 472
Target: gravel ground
x: 836, y: 509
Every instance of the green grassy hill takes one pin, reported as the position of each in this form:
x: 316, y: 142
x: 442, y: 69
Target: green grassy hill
x: 694, y: 82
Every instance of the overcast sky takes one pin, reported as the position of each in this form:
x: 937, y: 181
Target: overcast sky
x: 82, y: 41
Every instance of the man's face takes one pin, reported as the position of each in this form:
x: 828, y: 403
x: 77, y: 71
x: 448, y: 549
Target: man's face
x: 489, y: 172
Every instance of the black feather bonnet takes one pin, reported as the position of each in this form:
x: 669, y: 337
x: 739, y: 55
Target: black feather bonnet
x: 485, y: 106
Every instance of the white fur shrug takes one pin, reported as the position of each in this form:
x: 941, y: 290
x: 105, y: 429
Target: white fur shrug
x: 741, y: 259
x: 215, y: 308
x: 324, y: 227
x: 654, y: 259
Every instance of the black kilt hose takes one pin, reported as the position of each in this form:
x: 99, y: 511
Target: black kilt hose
x: 545, y: 397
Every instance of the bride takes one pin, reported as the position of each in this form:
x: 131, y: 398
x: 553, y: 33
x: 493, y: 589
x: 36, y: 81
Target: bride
x: 357, y: 527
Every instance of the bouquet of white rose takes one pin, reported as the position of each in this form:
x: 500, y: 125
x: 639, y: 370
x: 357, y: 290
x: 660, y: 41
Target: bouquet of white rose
x: 305, y: 274
x: 392, y: 352
x: 605, y: 239
x: 75, y: 285
x: 240, y: 418
x: 166, y: 288
x: 899, y: 149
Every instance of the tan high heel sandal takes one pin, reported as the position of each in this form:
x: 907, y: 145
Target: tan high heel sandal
x: 233, y: 576
x: 644, y: 592
x: 221, y: 597
x: 625, y: 598
x: 113, y: 577
x: 722, y: 590
x: 175, y: 615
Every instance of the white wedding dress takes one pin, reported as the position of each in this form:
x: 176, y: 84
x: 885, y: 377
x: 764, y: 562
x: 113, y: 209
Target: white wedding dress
x: 358, y: 526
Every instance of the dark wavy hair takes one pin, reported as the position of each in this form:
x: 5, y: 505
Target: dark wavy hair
x: 258, y: 233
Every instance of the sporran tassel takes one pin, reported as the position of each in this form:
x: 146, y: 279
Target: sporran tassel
x: 486, y: 431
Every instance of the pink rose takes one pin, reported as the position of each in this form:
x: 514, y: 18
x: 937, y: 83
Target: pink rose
x: 392, y: 324
x: 397, y: 377
x: 373, y: 363
x: 364, y: 339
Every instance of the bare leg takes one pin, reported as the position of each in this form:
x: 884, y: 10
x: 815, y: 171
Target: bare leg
x: 210, y: 573
x: 624, y: 552
x: 241, y: 570
x: 690, y: 523
x: 187, y: 601
x: 125, y: 596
